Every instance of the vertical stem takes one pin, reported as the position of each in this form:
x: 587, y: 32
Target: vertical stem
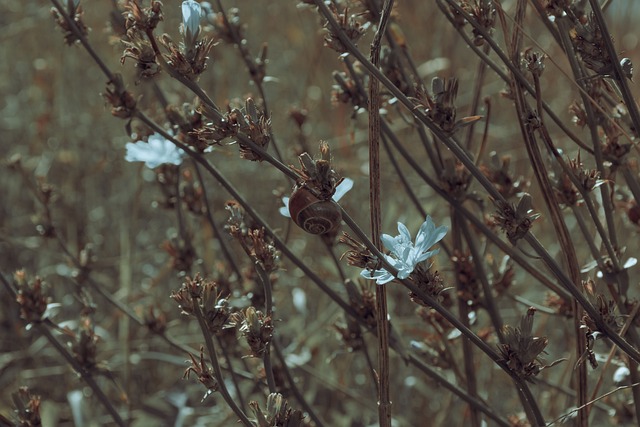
x: 216, y: 230
x: 384, y: 401
x: 268, y: 298
x: 463, y: 312
x: 213, y: 357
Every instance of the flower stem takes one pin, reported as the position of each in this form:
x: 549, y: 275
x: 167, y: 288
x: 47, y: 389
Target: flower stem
x: 384, y: 400
x: 211, y: 349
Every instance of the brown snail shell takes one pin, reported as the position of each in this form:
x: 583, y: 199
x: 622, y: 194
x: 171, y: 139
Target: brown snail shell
x: 313, y: 215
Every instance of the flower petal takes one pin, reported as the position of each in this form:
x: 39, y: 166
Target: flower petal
x: 404, y: 232
x: 342, y: 189
x: 284, y: 210
x: 380, y: 276
x: 429, y: 235
x: 389, y: 242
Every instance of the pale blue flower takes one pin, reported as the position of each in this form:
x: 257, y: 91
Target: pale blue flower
x: 341, y: 190
x: 155, y: 152
x: 191, y: 12
x: 405, y: 254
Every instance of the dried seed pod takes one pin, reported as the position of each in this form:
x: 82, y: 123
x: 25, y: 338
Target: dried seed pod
x: 312, y: 214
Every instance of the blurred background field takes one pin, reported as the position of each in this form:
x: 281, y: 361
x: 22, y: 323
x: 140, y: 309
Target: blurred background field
x: 56, y: 127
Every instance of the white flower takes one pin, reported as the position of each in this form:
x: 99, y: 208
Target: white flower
x: 405, y: 254
x: 157, y: 151
x: 341, y: 190
x: 191, y: 11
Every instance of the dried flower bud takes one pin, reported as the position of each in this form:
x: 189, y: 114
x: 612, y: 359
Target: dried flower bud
x: 31, y: 297
x: 484, y: 12
x: 85, y: 347
x: 606, y: 308
x: 346, y: 91
x: 123, y: 104
x: 256, y: 126
x: 203, y: 372
x: 142, y: 20
x: 499, y: 173
x: 455, y: 178
x: 515, y: 220
x: 155, y: 322
x: 318, y: 175
x: 189, y: 294
x: 533, y: 61
x: 188, y: 62
x: 255, y: 327
x: 521, y: 350
x: 588, y: 178
x: 182, y: 253
x: 469, y: 289
x: 348, y: 26
x: 74, y: 14
x: 27, y: 409
x: 429, y: 282
x: 278, y: 412
x: 589, y: 42
x: 140, y: 50
x: 359, y: 255
x: 440, y: 107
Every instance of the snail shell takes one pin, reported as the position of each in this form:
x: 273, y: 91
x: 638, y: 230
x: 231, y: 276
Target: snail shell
x: 313, y: 215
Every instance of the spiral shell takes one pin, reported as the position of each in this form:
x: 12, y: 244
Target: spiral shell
x: 313, y: 215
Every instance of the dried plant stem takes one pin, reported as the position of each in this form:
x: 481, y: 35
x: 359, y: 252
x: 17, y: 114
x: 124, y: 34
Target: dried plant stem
x: 335, y: 260
x: 384, y: 400
x: 610, y: 241
x: 226, y: 252
x: 268, y: 298
x: 463, y: 312
x: 232, y: 372
x: 403, y: 178
x: 211, y: 349
x: 549, y: 195
x: 489, y: 300
x: 477, y: 93
x: 620, y: 77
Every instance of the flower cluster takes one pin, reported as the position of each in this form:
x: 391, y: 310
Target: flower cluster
x: 405, y: 254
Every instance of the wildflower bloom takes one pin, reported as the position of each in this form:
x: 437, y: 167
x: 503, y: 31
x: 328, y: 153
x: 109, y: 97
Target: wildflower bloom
x: 155, y: 152
x: 406, y: 254
x: 341, y: 190
x: 191, y: 12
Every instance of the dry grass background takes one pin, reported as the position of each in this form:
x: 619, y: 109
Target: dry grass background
x: 53, y: 118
